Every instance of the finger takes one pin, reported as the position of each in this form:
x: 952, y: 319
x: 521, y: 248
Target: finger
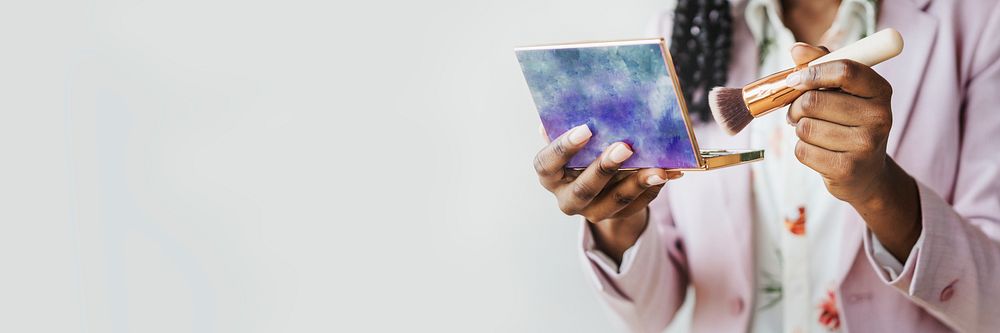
x: 621, y: 175
x: 832, y: 136
x: 543, y: 133
x: 824, y: 161
x: 641, y: 203
x: 803, y: 53
x: 835, y: 107
x: 623, y: 194
x: 551, y: 160
x: 647, y: 196
x: 572, y: 174
x: 578, y: 194
x: 850, y: 76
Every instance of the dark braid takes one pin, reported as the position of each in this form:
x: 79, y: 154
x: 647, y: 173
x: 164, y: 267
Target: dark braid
x: 699, y: 45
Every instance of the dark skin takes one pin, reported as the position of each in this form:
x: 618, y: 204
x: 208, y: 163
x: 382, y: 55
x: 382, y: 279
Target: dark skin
x: 842, y: 122
x: 808, y: 20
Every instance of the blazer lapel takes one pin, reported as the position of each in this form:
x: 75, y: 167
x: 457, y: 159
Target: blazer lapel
x: 919, y: 30
x: 735, y: 184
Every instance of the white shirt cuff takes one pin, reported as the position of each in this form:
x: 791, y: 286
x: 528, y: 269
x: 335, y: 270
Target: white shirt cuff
x: 607, y: 264
x: 887, y: 261
x: 604, y: 262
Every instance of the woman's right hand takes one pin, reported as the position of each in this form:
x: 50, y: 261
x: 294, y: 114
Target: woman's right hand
x: 615, y: 202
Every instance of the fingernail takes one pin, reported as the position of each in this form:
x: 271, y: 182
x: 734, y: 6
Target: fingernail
x: 579, y: 134
x: 619, y: 153
x: 655, y: 180
x: 793, y: 79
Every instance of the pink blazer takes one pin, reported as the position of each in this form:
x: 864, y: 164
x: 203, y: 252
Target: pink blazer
x: 946, y: 134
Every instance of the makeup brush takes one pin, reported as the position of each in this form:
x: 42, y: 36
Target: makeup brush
x: 734, y: 108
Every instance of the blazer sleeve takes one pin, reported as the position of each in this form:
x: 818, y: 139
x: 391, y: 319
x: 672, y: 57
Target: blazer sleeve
x: 651, y: 283
x: 954, y: 273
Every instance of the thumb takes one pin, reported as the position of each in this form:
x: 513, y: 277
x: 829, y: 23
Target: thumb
x: 803, y: 53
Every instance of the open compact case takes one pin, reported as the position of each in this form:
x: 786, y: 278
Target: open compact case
x: 625, y: 91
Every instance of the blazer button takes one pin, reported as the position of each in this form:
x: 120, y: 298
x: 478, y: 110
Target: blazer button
x: 859, y: 297
x: 738, y: 306
x: 947, y: 293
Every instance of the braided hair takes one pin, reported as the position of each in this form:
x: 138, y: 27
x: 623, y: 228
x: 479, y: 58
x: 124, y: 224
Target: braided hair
x: 699, y: 44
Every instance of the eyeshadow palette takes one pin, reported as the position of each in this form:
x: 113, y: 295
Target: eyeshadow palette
x: 625, y: 91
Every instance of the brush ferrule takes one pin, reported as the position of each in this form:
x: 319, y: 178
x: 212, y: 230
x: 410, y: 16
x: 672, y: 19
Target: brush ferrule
x: 770, y: 93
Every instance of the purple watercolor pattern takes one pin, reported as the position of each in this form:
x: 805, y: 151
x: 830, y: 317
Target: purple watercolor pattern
x: 623, y: 93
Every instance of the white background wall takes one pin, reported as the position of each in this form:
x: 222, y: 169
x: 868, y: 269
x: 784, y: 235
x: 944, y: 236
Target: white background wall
x: 284, y: 166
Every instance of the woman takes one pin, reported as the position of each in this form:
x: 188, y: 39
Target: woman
x: 876, y: 209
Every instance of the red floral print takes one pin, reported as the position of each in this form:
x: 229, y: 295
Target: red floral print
x: 829, y: 315
x: 797, y: 226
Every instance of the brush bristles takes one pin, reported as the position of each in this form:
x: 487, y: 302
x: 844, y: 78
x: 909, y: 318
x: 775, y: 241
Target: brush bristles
x: 729, y: 109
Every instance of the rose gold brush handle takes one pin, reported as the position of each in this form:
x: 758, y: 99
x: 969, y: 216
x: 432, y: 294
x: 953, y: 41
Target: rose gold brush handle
x: 770, y: 93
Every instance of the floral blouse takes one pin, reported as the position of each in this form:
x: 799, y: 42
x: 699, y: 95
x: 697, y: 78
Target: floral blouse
x: 796, y: 225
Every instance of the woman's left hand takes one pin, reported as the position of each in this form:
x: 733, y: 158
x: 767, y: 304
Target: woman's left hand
x: 843, y: 121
